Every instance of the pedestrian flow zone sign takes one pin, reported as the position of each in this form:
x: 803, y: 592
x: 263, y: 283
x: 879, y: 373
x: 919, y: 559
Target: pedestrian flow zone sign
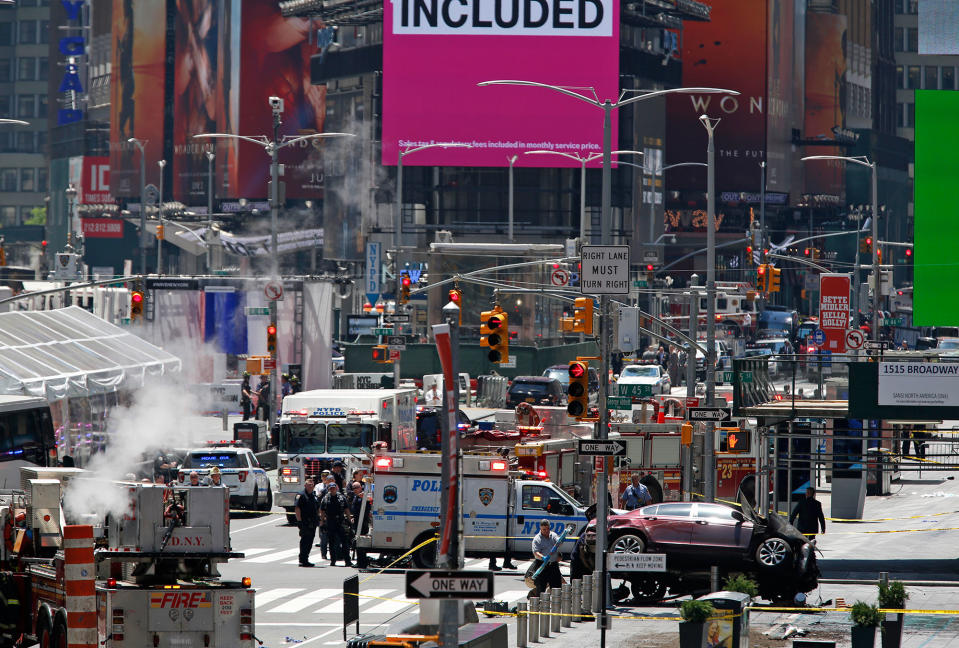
x: 636, y: 562
x: 436, y: 584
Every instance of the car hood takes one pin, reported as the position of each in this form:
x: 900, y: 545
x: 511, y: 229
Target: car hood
x: 637, y: 380
x: 776, y: 524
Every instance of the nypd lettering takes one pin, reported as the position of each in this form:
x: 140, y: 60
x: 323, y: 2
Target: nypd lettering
x: 426, y: 486
x: 503, y: 17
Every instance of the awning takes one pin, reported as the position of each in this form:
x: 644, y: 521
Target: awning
x: 71, y: 352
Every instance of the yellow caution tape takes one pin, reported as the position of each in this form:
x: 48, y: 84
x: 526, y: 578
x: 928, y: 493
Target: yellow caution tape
x: 422, y: 544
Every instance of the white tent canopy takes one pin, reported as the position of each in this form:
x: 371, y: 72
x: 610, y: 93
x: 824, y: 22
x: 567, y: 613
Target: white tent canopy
x: 70, y: 352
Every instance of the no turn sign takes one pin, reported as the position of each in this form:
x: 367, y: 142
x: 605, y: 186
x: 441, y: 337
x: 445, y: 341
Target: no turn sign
x: 855, y: 339
x: 273, y: 290
x: 559, y: 277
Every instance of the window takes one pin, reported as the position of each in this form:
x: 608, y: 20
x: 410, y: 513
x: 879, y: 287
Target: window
x: 41, y: 141
x: 931, y: 82
x: 27, y: 180
x: 6, y: 67
x: 899, y: 120
x: 8, y: 179
x: 910, y: 115
x: 912, y: 6
x: 28, y: 31
x: 43, y: 70
x: 26, y: 68
x: 899, y: 72
x: 913, y: 44
x: 6, y: 33
x: 44, y: 32
x: 42, y: 179
x: 25, y: 142
x: 5, y: 104
x: 41, y: 106
x: 26, y: 106
x: 675, y: 510
x: 8, y: 215
x: 899, y: 39
x: 24, y: 214
x: 899, y: 6
x: 948, y: 78
x: 535, y: 497
x: 912, y: 77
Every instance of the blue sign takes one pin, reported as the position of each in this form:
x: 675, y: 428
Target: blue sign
x: 373, y: 269
x: 819, y: 337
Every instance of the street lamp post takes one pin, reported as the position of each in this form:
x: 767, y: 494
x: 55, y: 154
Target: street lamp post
x: 512, y: 160
x: 863, y: 160
x: 398, y: 227
x: 161, y: 164
x: 709, y: 467
x: 272, y: 146
x: 143, y: 203
x: 211, y: 157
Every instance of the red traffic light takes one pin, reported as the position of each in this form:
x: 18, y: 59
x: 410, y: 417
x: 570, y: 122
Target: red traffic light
x: 908, y: 252
x: 749, y: 249
x: 577, y: 369
x: 495, y: 321
x: 761, y: 270
x: 868, y: 240
x: 271, y: 330
x: 806, y: 251
x: 136, y: 297
x: 406, y: 281
x: 455, y: 296
x: 43, y: 244
x: 649, y: 267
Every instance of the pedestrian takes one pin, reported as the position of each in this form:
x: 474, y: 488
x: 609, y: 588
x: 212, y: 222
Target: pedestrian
x: 295, y: 383
x: 214, y: 479
x: 285, y: 387
x: 306, y: 508
x: 246, y: 396
x: 339, y: 476
x: 355, y: 500
x: 194, y: 479
x: 263, y: 398
x: 809, y: 513
x: 335, y: 516
x: 326, y: 478
x: 433, y: 396
x: 635, y: 495
x: 543, y: 544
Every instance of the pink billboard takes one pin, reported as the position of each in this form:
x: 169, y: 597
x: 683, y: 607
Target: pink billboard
x: 834, y: 310
x: 435, y: 52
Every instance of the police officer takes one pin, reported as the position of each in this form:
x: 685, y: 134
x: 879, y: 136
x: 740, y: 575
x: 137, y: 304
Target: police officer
x: 306, y: 509
x: 335, y: 515
x: 339, y: 476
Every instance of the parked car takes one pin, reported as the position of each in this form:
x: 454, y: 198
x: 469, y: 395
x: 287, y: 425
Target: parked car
x: 535, y: 390
x: 428, y: 430
x: 948, y: 346
x: 774, y: 347
x: 697, y: 535
x: 561, y: 373
x: 646, y: 374
x: 723, y: 360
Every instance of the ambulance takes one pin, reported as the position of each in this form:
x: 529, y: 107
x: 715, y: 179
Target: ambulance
x: 500, y: 510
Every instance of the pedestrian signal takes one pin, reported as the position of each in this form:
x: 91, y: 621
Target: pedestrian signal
x: 381, y: 354
x: 733, y: 440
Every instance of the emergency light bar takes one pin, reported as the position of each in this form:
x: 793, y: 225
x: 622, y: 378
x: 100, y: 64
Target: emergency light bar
x: 389, y: 462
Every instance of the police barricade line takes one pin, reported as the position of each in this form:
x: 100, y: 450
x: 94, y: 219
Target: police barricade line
x: 522, y: 537
x: 627, y: 617
x: 407, y: 554
x: 762, y: 608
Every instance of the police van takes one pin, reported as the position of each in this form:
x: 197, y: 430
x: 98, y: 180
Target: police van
x: 497, y: 508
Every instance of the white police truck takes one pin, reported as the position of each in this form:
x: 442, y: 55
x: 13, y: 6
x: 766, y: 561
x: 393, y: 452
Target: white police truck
x: 500, y: 511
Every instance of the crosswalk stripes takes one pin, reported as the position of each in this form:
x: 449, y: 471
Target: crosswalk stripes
x: 263, y: 555
x: 268, y: 596
x: 273, y: 557
x: 305, y: 600
x: 336, y: 607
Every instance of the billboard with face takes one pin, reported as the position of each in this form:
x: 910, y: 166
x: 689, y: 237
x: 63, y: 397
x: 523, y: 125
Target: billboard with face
x: 726, y: 52
x: 137, y: 101
x: 435, y: 52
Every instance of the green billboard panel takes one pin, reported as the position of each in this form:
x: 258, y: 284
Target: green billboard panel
x: 935, y: 262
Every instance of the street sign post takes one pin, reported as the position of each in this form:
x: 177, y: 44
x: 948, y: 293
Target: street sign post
x: 273, y: 290
x: 396, y: 342
x: 605, y: 270
x: 396, y: 319
x: 383, y: 331
x: 708, y: 414
x: 602, y: 448
x: 893, y: 321
x: 252, y: 311
x: 724, y: 376
x: 635, y: 391
x: 443, y: 584
x: 636, y: 562
x: 619, y: 403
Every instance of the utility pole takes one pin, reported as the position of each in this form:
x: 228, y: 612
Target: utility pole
x: 691, y: 369
x: 210, y: 157
x: 162, y: 165
x: 876, y: 272
x: 709, y: 452
x: 273, y: 149
x: 602, y: 477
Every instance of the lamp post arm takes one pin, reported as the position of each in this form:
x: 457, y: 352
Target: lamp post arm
x: 262, y: 141
x: 294, y: 140
x: 669, y: 91
x: 536, y: 84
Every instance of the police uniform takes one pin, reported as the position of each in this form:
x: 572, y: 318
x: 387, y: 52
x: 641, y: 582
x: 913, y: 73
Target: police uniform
x: 309, y: 518
x: 335, y: 510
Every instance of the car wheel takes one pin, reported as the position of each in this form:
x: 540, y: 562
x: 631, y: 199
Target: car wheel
x: 774, y: 553
x: 290, y: 517
x: 425, y: 556
x: 268, y: 502
x: 629, y: 543
x: 255, y: 503
x: 647, y: 589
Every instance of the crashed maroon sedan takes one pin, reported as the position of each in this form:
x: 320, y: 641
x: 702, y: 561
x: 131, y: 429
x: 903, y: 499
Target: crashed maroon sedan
x: 694, y: 536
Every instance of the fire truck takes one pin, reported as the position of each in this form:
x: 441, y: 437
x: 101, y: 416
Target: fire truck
x: 143, y: 575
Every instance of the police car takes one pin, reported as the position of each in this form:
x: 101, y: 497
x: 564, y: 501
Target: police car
x: 239, y: 470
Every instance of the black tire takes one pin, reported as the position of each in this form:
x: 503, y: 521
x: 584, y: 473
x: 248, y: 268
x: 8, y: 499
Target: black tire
x: 774, y: 553
x: 425, y: 556
x: 43, y: 632
x: 268, y: 504
x: 647, y: 589
x: 628, y: 543
x: 58, y: 638
x: 255, y: 502
x: 290, y: 517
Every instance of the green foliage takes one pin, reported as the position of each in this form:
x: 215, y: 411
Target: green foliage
x: 741, y: 583
x: 892, y: 596
x: 38, y: 216
x: 695, y: 611
x: 864, y: 614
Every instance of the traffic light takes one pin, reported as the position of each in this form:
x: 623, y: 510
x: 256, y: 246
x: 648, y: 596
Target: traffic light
x: 583, y: 315
x: 405, y: 283
x: 749, y: 255
x: 456, y: 296
x: 865, y: 245
x: 160, y: 232
x: 761, y: 277
x: 732, y: 439
x: 578, y: 390
x: 650, y: 274
x: 381, y: 354
x: 773, y: 279
x: 494, y: 334
x: 271, y: 339
x: 136, y: 305
x: 908, y: 255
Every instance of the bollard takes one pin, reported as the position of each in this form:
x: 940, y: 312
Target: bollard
x: 587, y: 607
x: 566, y: 606
x: 555, y: 602
x: 544, y: 615
x: 534, y: 620
x: 576, y: 606
x: 522, y: 621
x: 597, y: 599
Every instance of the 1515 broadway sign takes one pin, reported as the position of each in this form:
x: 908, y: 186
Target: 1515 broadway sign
x: 919, y: 383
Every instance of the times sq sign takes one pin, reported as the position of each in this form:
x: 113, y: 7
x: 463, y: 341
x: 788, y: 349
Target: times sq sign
x: 71, y: 47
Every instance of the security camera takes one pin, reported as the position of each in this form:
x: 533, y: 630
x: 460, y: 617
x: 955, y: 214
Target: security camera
x: 276, y: 104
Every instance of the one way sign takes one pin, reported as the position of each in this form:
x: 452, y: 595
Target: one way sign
x: 436, y: 584
x: 709, y: 414
x: 602, y: 448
